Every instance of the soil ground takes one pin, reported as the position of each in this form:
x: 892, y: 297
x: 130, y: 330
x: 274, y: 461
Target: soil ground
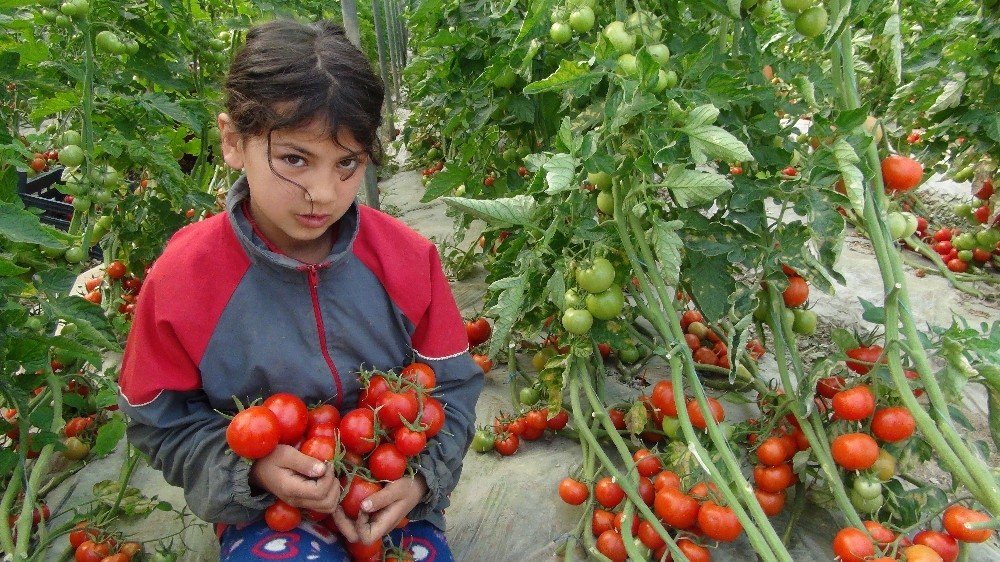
x: 507, y: 509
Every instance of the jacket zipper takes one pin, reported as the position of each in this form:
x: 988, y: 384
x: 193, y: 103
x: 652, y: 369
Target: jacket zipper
x: 312, y: 272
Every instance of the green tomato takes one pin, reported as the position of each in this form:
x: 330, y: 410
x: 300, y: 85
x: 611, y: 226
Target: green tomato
x: 70, y: 137
x: 897, y: 225
x: 867, y: 488
x: 582, y: 19
x: 804, y: 322
x: 600, y: 180
x: 64, y: 21
x: 662, y: 81
x: 597, y: 277
x: 628, y: 65
x: 965, y: 255
x: 53, y: 252
x: 659, y: 52
x: 812, y: 22
x: 629, y: 354
x: 482, y: 441
x: 573, y: 299
x: 964, y: 241
x: 671, y: 79
x: 606, y: 202
x: 577, y: 321
x: 74, y: 8
x: 131, y: 46
x: 607, y: 304
x: 621, y: 40
x: 866, y: 505
x: 963, y: 210
x: 75, y: 254
x: 911, y: 224
x: 672, y: 427
x: 542, y: 357
x: 81, y: 203
x: 885, y: 465
x: 505, y: 79
x: 988, y: 237
x: 108, y: 41
x: 529, y: 396
x: 560, y: 33
x: 645, y: 24
x: 71, y: 156
x: 796, y: 6
x: 34, y: 323
x: 788, y: 317
x: 101, y: 196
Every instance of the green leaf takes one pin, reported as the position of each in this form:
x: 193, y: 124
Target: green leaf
x: 667, y: 246
x: 445, y: 181
x: 847, y: 160
x: 711, y: 284
x: 872, y: 313
x: 517, y: 210
x: 951, y: 94
x: 574, y: 76
x: 109, y: 435
x: 845, y: 340
x: 507, y: 310
x: 164, y: 105
x: 702, y: 115
x: 555, y: 288
x: 10, y: 269
x: 891, y: 31
x: 734, y: 7
x: 18, y: 225
x: 53, y: 104
x: 717, y: 143
x: 694, y: 187
x: 806, y: 89
x: 560, y: 173
x: 638, y: 105
x: 993, y: 404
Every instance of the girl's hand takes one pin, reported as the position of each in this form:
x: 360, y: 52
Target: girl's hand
x: 382, y: 511
x: 298, y: 479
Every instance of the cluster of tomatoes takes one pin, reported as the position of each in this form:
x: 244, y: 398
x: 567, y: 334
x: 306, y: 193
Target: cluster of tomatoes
x: 93, y: 545
x: 506, y: 433
x: 879, y: 544
x: 428, y: 172
x: 696, y: 515
x: 479, y: 332
x: 977, y: 248
x: 603, y: 300
x: 40, y: 161
x: 115, y: 272
x: 707, y: 347
x: 375, y: 442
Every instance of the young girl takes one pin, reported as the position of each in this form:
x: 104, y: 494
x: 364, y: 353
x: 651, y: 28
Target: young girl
x: 295, y: 289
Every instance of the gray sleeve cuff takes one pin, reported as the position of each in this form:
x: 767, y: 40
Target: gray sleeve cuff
x: 246, y: 495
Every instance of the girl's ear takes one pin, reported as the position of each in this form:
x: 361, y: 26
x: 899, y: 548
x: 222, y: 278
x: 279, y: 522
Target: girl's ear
x: 232, y: 142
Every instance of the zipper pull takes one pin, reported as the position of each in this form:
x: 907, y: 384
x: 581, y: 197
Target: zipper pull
x: 312, y: 273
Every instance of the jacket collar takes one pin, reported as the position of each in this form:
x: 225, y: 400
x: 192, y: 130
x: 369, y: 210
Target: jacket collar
x: 261, y: 250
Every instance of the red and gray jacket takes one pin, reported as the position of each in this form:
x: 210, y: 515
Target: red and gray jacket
x: 223, y: 314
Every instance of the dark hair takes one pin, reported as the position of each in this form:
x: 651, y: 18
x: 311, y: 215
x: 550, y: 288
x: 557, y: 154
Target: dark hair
x: 290, y: 73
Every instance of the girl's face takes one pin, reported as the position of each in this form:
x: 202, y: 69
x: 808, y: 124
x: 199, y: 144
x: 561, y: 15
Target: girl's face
x: 297, y: 222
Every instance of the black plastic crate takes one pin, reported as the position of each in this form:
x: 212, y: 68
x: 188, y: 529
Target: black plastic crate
x: 40, y: 192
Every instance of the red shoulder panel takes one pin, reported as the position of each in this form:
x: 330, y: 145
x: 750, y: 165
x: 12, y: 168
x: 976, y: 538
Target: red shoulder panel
x: 178, y: 307
x: 408, y: 266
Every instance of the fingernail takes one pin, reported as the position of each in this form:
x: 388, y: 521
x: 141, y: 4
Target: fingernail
x: 317, y: 469
x: 366, y: 505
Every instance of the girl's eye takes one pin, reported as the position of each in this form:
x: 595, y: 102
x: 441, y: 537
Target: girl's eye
x: 294, y: 160
x: 349, y: 164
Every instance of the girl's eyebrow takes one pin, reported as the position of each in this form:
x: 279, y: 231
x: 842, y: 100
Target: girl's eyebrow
x: 308, y: 153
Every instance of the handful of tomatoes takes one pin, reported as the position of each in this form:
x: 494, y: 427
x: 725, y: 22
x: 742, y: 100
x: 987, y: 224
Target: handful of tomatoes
x: 375, y: 443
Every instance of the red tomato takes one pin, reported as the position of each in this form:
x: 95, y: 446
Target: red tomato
x: 878, y: 532
x: 601, y: 521
x: 396, y: 407
x: 694, y: 551
x: 607, y: 492
x: 690, y: 316
x: 573, y: 491
x: 773, y: 479
x: 797, y: 292
x: 292, y: 414
x: 828, y: 387
x: 770, y: 502
x: 357, y: 489
x: 506, y: 444
x: 319, y: 448
x: 893, y: 424
x: 325, y: 414
x: 253, y: 433
x: 90, y: 551
x: 617, y: 418
x: 376, y: 387
x: 387, y: 463
x: 854, y: 451
x: 483, y: 361
x: 77, y: 425
x: 432, y: 416
x: 647, y: 463
x: 942, y: 543
x: 420, y: 374
x: 705, y: 356
x: 719, y: 522
x: 697, y: 417
x: 282, y: 517
x: 901, y: 173
x: 662, y: 398
x: 666, y: 479
x: 773, y: 451
x: 357, y: 431
x: 853, y: 545
x: 864, y: 357
x: 478, y: 331
x: 558, y: 421
x: 322, y: 430
x: 675, y: 508
x: 536, y: 419
x: 610, y: 544
x: 854, y: 404
x: 80, y: 533
x: 409, y: 442
x: 116, y: 270
x: 957, y: 517
x: 648, y: 536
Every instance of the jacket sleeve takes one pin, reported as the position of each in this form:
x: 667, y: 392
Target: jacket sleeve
x: 440, y: 341
x: 172, y: 421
